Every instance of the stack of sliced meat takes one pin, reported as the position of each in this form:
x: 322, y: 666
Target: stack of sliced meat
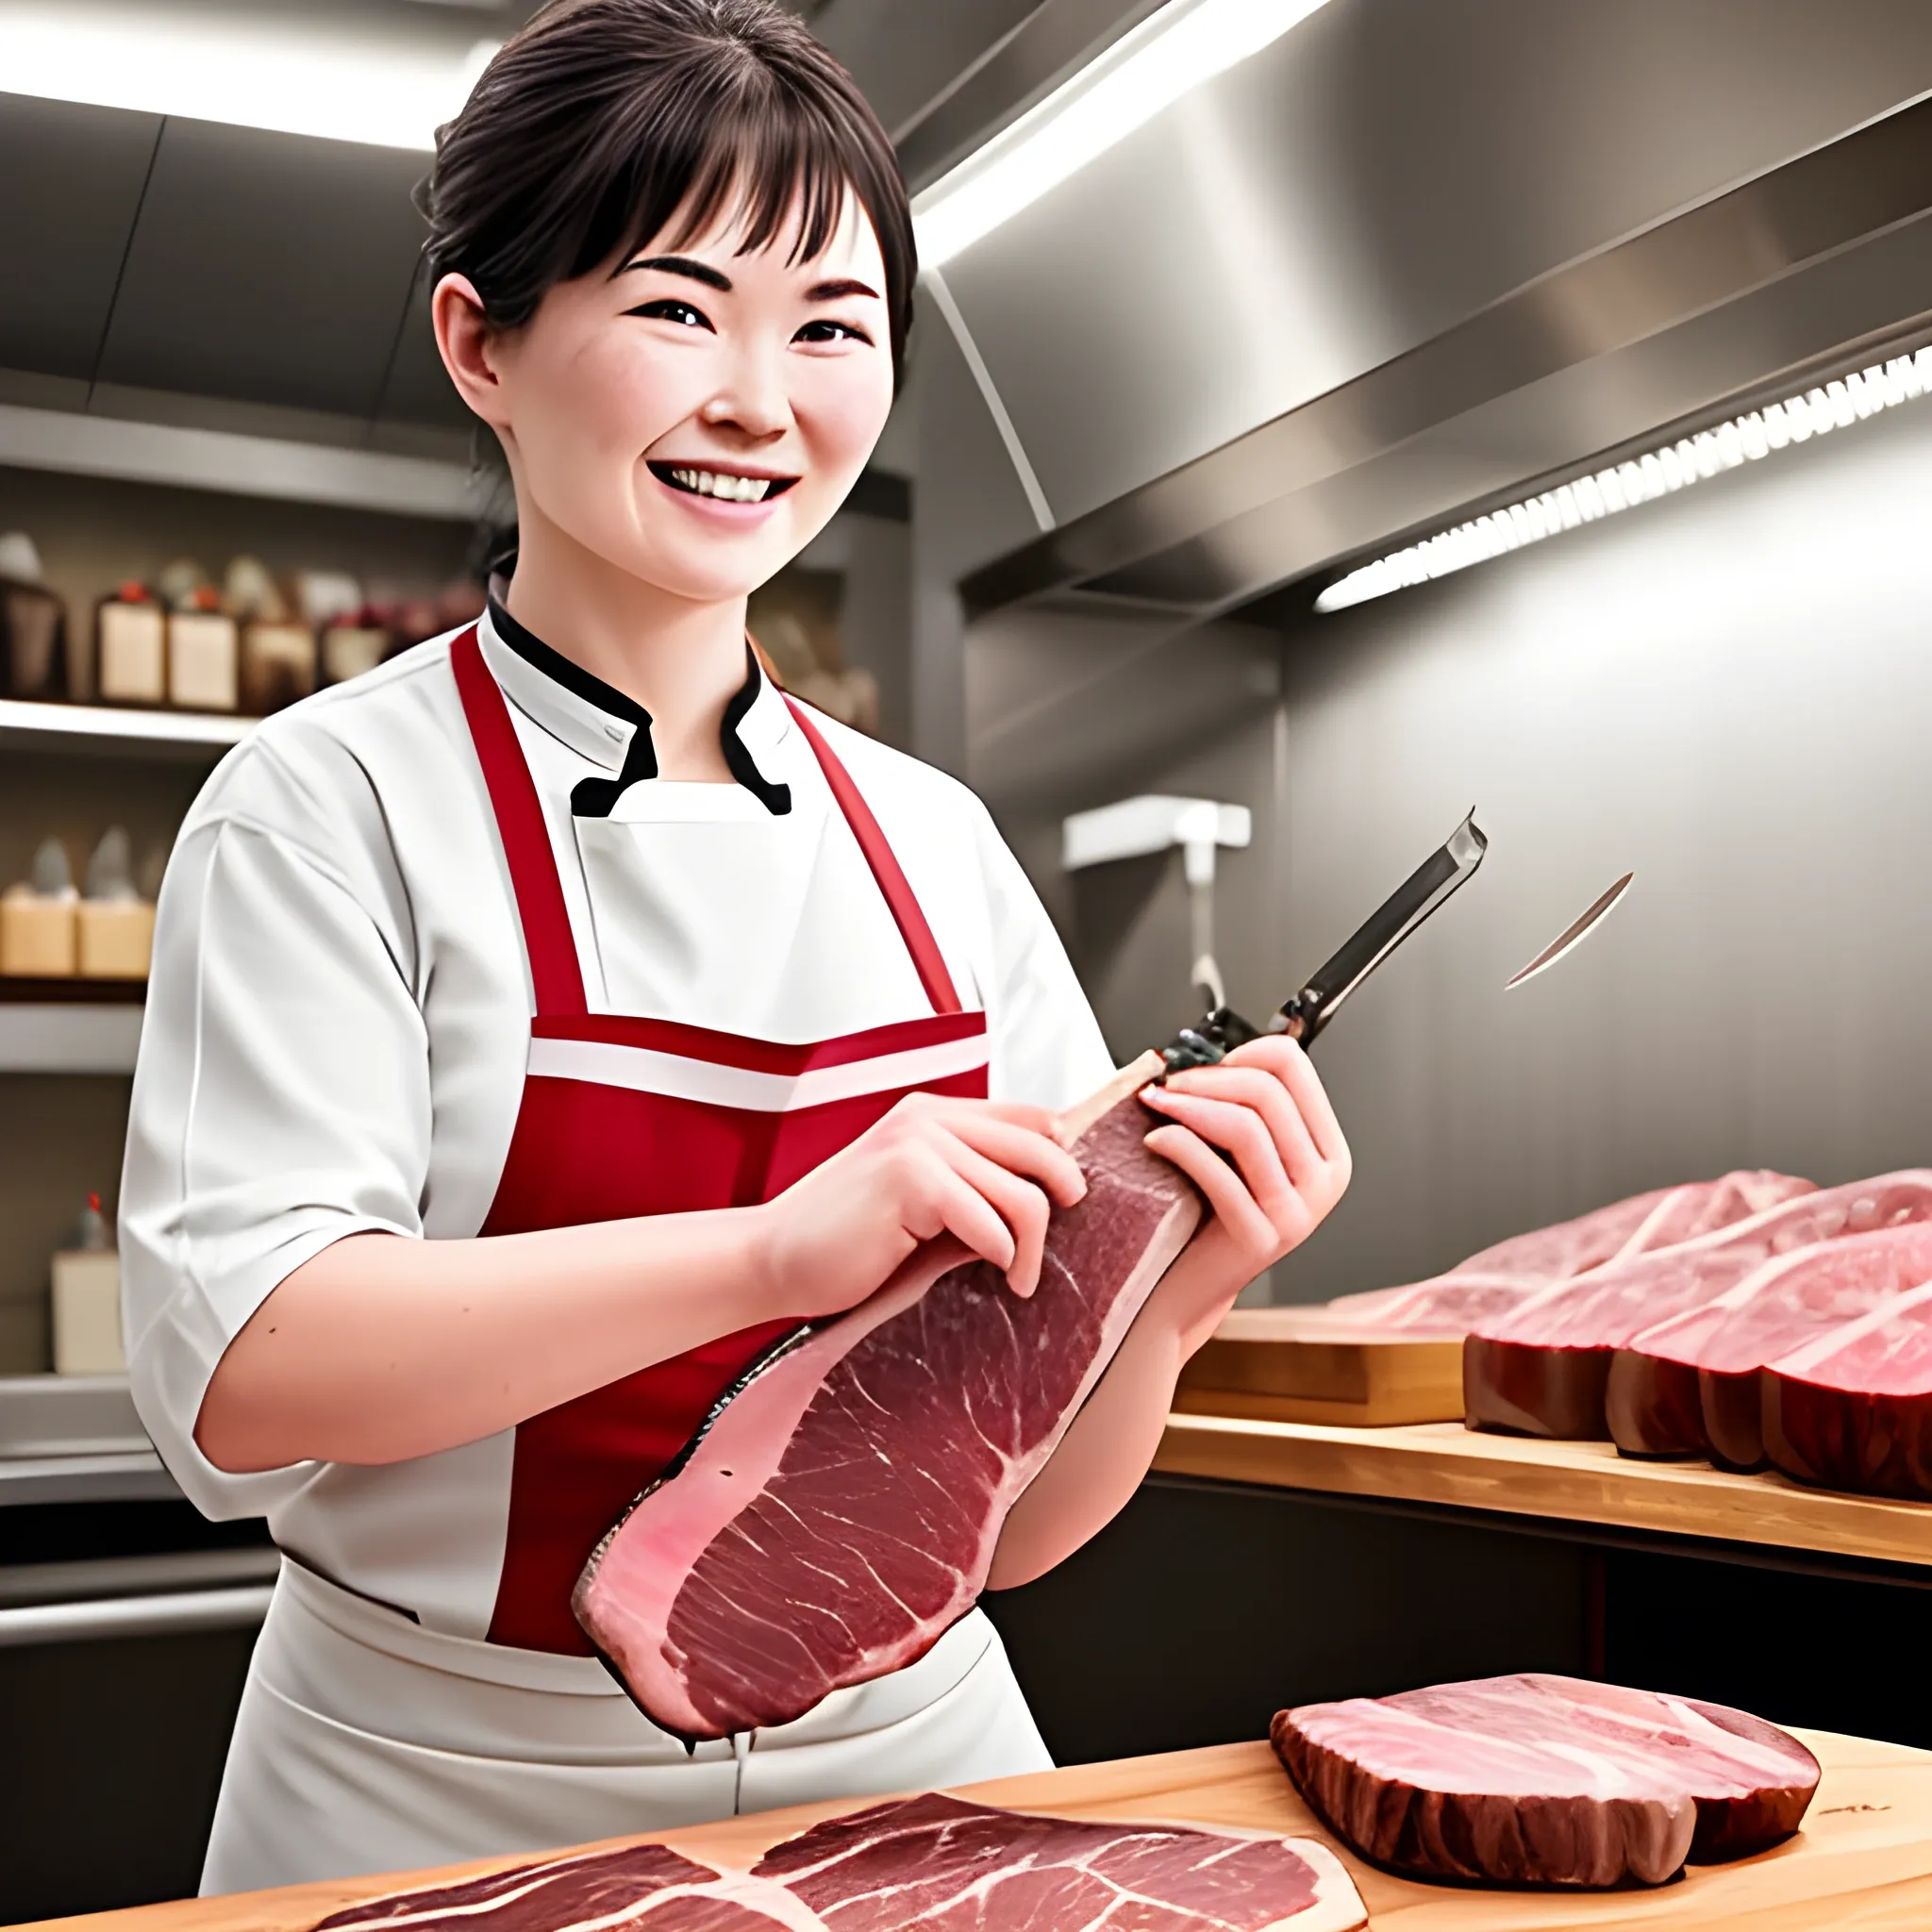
x: 1543, y: 1368
x: 1544, y: 1780
x: 1489, y: 1284
x: 1694, y: 1384
x: 931, y: 1862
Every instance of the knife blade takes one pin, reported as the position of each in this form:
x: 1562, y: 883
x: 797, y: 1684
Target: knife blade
x: 1573, y: 934
x: 1305, y: 1013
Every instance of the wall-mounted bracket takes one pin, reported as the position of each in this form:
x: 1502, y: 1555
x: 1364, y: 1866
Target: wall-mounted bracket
x: 1153, y: 823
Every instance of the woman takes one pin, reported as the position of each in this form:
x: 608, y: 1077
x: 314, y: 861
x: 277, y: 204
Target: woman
x: 474, y: 1147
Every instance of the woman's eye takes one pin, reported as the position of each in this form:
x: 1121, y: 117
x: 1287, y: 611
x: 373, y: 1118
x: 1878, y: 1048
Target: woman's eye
x: 670, y: 309
x: 831, y: 332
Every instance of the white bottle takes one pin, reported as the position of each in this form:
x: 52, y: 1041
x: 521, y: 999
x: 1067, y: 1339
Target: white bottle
x: 87, y: 1301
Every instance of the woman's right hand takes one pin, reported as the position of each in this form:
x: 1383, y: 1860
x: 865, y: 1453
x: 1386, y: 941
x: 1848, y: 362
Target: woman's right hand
x: 984, y: 1172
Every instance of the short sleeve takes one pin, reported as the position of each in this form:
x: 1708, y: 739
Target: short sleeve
x: 1047, y: 1047
x: 281, y: 1101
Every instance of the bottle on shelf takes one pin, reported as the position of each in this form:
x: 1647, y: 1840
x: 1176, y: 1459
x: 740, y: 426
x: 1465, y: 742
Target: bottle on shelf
x: 86, y: 1294
x: 204, y: 654
x: 278, y: 648
x: 114, y: 924
x: 131, y: 648
x: 33, y: 626
x: 39, y: 933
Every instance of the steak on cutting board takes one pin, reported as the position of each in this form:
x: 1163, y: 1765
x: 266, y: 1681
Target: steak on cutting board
x: 1544, y: 1780
x: 942, y: 1864
x: 1543, y: 1368
x: 1490, y: 1283
x: 839, y: 1510
x: 930, y: 1862
x: 1704, y: 1370
x: 1852, y: 1410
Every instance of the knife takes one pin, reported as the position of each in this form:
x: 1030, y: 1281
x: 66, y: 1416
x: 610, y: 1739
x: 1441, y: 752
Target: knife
x: 1572, y: 934
x: 1304, y: 1014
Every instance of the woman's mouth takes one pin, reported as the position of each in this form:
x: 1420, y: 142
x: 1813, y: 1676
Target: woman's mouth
x: 722, y: 486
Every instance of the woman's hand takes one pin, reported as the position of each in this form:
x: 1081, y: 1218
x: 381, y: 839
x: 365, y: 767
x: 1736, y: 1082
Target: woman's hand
x: 1287, y: 1165
x: 987, y: 1173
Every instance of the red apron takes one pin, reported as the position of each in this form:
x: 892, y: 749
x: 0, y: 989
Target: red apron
x: 624, y: 1116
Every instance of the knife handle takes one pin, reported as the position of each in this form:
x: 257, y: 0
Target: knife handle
x: 1209, y: 1042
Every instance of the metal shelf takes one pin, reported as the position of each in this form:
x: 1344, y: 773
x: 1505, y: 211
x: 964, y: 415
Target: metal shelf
x: 26, y: 726
x: 69, y: 1038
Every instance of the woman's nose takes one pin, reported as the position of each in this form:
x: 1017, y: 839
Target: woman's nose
x: 753, y: 401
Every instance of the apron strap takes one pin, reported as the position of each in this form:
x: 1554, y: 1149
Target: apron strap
x: 927, y: 960
x: 556, y: 975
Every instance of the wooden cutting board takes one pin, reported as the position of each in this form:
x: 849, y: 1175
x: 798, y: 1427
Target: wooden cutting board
x: 1863, y: 1859
x: 1293, y: 1365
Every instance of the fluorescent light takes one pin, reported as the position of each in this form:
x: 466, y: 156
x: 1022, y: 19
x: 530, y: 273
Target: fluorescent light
x: 1742, y: 440
x: 1187, y: 42
x: 292, y: 79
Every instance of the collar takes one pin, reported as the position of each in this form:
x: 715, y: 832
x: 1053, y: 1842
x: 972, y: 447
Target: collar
x: 603, y: 725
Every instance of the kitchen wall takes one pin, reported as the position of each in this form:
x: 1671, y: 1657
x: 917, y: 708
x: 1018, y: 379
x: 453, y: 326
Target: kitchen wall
x: 1729, y: 691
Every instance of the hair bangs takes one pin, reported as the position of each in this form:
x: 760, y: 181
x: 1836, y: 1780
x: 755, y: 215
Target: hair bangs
x: 607, y: 123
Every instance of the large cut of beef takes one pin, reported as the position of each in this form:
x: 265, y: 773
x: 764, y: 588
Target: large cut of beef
x: 1543, y: 1368
x: 1488, y: 1284
x: 1693, y: 1384
x: 1544, y: 1780
x: 1852, y: 1410
x: 840, y: 1508
x: 924, y: 1864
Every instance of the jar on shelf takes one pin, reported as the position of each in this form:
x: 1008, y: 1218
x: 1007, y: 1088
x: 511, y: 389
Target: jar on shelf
x: 131, y: 648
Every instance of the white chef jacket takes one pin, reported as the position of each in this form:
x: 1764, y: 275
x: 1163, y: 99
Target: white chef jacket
x: 337, y: 1019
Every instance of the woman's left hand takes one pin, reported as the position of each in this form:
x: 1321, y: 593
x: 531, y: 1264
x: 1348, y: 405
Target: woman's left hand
x: 1258, y: 1136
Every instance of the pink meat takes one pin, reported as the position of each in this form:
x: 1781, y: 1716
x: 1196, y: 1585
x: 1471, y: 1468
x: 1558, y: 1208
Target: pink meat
x: 1488, y: 1285
x: 841, y: 1510
x: 1544, y: 1367
x: 1694, y: 1381
x: 1539, y: 1779
x: 940, y: 1864
x: 1852, y: 1408
x: 924, y: 1864
x: 645, y: 1886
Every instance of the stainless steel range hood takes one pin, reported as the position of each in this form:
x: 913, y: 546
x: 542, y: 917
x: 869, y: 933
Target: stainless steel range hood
x: 1417, y: 254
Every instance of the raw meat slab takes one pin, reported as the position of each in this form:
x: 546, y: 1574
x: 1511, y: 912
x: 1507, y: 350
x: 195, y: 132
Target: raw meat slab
x: 1544, y: 1780
x: 646, y: 1886
x: 1699, y: 1376
x: 1852, y: 1410
x: 1488, y: 1285
x: 924, y: 1864
x: 841, y: 1509
x: 940, y: 1864
x: 1543, y: 1368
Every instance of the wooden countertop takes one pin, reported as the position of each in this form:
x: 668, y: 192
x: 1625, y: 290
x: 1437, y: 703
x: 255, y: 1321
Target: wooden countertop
x: 1578, y: 1482
x: 1863, y: 1859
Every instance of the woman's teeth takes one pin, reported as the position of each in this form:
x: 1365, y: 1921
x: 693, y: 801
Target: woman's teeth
x: 717, y: 483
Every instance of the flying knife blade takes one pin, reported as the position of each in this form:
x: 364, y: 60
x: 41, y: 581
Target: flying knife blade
x: 1573, y: 934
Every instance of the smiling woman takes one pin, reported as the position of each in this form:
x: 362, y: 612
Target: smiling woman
x: 544, y: 1026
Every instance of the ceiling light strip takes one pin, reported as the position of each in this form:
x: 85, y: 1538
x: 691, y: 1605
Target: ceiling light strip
x: 1743, y: 440
x: 286, y: 77
x: 1179, y: 48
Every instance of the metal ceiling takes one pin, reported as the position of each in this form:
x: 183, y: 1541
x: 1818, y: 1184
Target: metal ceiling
x: 199, y: 272
x: 1407, y: 258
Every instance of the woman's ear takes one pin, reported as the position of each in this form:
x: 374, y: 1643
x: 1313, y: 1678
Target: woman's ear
x: 466, y: 343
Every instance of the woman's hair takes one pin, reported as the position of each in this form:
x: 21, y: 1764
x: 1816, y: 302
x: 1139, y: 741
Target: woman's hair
x: 602, y: 120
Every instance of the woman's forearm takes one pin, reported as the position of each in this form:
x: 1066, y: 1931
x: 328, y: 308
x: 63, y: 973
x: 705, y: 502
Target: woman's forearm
x: 1102, y: 1459
x: 382, y: 1348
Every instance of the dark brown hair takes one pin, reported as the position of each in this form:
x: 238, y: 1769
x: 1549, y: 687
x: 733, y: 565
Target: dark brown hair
x: 603, y: 120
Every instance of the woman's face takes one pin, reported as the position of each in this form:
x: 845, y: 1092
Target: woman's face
x: 692, y: 415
